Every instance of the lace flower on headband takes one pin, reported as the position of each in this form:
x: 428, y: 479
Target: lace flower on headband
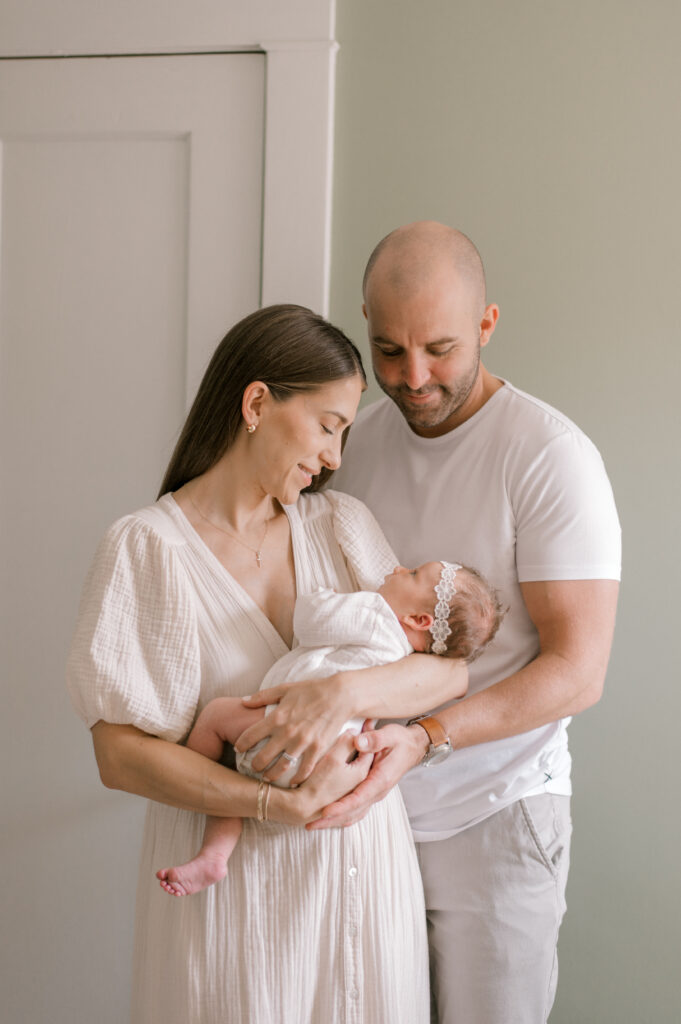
x: 444, y: 591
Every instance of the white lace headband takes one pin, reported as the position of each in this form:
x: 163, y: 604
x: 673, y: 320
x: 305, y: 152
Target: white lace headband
x: 445, y: 591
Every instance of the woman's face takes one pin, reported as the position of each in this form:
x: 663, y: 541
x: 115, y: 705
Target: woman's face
x: 295, y: 439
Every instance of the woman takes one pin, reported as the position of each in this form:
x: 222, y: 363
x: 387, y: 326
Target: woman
x: 192, y: 598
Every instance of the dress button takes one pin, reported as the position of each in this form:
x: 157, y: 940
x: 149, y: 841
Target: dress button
x: 352, y: 872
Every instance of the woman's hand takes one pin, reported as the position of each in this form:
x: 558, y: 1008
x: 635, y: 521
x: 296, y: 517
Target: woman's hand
x: 304, y: 725
x: 310, y: 714
x: 395, y: 749
x: 334, y: 776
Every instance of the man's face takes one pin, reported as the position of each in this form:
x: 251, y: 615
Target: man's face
x: 425, y: 348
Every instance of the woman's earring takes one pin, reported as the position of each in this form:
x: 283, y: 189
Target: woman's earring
x: 251, y: 428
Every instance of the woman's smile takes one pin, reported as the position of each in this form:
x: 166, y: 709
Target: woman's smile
x: 298, y: 437
x: 307, y: 473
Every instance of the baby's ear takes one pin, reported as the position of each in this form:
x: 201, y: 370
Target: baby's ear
x: 419, y: 622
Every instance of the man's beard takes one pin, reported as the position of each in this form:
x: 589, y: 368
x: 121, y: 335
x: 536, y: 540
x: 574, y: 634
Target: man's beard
x: 450, y: 399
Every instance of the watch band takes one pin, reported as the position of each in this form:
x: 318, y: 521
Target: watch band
x: 435, y: 729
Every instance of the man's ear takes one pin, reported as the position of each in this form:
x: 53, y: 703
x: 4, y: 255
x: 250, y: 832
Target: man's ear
x: 488, y: 323
x: 252, y: 401
x: 364, y: 310
x: 418, y: 622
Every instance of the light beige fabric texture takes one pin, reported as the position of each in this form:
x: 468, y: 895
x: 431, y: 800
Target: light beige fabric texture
x: 307, y: 926
x: 493, y: 937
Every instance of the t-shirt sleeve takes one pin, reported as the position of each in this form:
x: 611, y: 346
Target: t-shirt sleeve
x: 134, y: 658
x: 361, y: 540
x: 567, y: 525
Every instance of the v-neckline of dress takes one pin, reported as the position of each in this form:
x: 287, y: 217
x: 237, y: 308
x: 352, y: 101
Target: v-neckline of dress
x: 213, y: 562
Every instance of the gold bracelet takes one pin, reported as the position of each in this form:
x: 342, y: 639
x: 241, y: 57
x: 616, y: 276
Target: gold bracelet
x: 267, y: 801
x: 262, y: 800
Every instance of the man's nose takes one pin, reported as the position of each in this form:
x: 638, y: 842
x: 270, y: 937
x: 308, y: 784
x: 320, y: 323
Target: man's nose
x: 415, y: 371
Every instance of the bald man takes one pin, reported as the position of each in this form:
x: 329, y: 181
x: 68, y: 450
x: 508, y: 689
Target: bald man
x: 456, y: 463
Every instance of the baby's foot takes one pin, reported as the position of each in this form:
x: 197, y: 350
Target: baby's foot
x: 197, y: 874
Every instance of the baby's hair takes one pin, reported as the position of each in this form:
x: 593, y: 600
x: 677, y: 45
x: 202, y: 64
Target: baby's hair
x: 475, y: 614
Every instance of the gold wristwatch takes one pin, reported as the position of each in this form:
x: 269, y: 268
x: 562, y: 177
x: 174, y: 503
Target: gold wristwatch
x: 440, y: 744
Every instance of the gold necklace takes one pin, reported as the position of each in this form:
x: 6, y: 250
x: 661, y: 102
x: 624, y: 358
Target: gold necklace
x: 256, y: 551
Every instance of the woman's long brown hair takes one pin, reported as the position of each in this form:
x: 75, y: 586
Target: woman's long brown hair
x: 290, y: 349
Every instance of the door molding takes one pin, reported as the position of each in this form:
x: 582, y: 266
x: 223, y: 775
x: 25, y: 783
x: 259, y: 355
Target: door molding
x: 297, y: 39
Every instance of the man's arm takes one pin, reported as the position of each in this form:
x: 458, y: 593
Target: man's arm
x: 575, y: 620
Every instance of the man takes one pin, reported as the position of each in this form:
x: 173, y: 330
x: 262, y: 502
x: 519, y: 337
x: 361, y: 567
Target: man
x: 498, y: 480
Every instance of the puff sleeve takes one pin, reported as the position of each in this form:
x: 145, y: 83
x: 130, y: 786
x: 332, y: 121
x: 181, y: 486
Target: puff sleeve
x: 361, y: 540
x: 135, y: 656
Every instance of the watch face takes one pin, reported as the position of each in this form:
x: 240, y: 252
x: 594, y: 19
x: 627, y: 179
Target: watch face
x: 436, y: 755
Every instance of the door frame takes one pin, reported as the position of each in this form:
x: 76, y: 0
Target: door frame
x: 297, y: 39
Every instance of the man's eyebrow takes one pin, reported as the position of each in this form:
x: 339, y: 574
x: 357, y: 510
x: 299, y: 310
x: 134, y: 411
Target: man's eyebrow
x: 378, y: 340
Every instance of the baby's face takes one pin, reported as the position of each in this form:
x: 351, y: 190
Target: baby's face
x: 412, y: 591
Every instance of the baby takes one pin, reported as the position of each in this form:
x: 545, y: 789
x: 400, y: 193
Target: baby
x: 439, y: 608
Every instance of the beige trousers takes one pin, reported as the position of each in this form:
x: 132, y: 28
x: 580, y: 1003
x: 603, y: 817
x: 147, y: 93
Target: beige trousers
x: 495, y: 898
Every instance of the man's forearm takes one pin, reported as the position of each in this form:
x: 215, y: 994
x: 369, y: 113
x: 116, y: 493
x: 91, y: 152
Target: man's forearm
x: 547, y: 689
x: 575, y: 620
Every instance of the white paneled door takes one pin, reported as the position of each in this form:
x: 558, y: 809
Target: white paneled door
x: 130, y: 241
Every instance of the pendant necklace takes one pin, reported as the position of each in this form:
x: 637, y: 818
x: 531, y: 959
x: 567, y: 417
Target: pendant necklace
x: 256, y: 551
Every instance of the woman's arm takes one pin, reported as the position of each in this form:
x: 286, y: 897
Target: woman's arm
x: 310, y: 714
x: 133, y: 761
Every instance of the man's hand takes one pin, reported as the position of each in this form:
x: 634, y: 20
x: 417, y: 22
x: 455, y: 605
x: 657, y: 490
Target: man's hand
x: 396, y: 749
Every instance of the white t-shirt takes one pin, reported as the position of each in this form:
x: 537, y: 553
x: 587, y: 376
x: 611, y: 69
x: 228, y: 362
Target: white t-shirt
x: 521, y: 494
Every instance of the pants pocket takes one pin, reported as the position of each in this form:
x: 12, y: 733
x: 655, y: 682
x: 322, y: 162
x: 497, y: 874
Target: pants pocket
x: 547, y: 820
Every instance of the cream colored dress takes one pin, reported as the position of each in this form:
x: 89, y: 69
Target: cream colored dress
x: 320, y: 927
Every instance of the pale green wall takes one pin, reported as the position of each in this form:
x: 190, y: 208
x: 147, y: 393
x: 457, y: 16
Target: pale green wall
x: 549, y: 131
